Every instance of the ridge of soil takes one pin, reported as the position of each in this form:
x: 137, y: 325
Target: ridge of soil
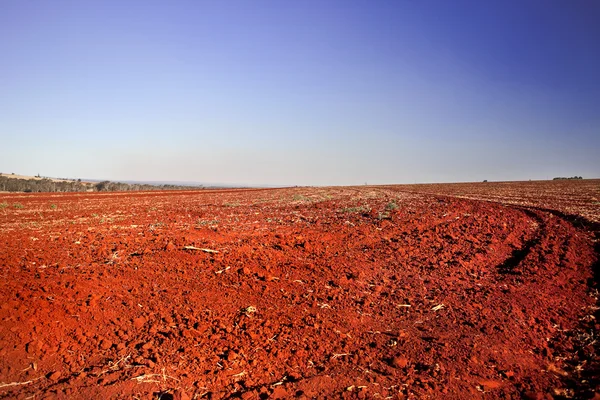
x: 343, y: 292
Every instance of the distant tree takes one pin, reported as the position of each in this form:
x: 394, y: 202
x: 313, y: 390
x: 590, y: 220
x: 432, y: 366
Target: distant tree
x: 48, y: 185
x: 102, y: 186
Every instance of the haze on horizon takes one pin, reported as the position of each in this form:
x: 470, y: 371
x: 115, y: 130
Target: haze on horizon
x: 300, y: 93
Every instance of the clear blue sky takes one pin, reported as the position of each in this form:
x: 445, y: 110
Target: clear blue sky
x: 300, y: 92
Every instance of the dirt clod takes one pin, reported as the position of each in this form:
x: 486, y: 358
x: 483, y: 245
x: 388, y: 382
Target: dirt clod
x: 139, y: 322
x: 399, y: 362
x: 181, y: 395
x: 54, y: 376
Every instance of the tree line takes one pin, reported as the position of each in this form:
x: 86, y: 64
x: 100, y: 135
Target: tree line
x: 48, y: 185
x: 558, y: 178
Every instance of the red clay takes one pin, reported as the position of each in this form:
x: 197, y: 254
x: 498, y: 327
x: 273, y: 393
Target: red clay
x: 364, y: 292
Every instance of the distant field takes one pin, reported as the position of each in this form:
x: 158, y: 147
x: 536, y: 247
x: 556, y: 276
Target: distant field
x: 573, y: 197
x: 481, y: 290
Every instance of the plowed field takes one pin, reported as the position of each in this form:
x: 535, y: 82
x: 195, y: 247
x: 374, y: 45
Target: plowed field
x: 344, y: 292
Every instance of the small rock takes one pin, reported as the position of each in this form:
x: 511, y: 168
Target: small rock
x: 509, y: 374
x: 399, y: 362
x: 181, y: 395
x: 490, y: 384
x: 279, y: 393
x: 54, y: 376
x: 139, y: 322
x: 251, y: 394
x: 170, y: 246
x: 536, y: 396
x: 106, y: 344
x: 30, y: 346
x: 147, y: 346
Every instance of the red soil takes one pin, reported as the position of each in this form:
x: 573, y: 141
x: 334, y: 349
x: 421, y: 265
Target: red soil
x: 366, y: 292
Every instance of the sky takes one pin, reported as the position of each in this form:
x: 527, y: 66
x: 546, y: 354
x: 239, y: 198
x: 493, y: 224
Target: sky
x: 311, y: 92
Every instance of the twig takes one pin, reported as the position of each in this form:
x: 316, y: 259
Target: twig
x: 200, y: 249
x: 147, y: 378
x: 281, y: 382
x: 143, y: 379
x: 239, y: 375
x: 340, y: 355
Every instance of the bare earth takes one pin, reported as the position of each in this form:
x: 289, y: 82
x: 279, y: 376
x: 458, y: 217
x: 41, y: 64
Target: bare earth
x: 463, y: 291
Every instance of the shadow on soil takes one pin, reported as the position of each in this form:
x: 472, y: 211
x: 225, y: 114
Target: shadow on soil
x: 508, y: 267
x: 518, y: 255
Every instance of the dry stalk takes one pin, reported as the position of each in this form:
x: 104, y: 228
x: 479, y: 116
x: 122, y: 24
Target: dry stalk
x: 115, y: 366
x: 281, y: 382
x: 3, y: 385
x: 200, y: 249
